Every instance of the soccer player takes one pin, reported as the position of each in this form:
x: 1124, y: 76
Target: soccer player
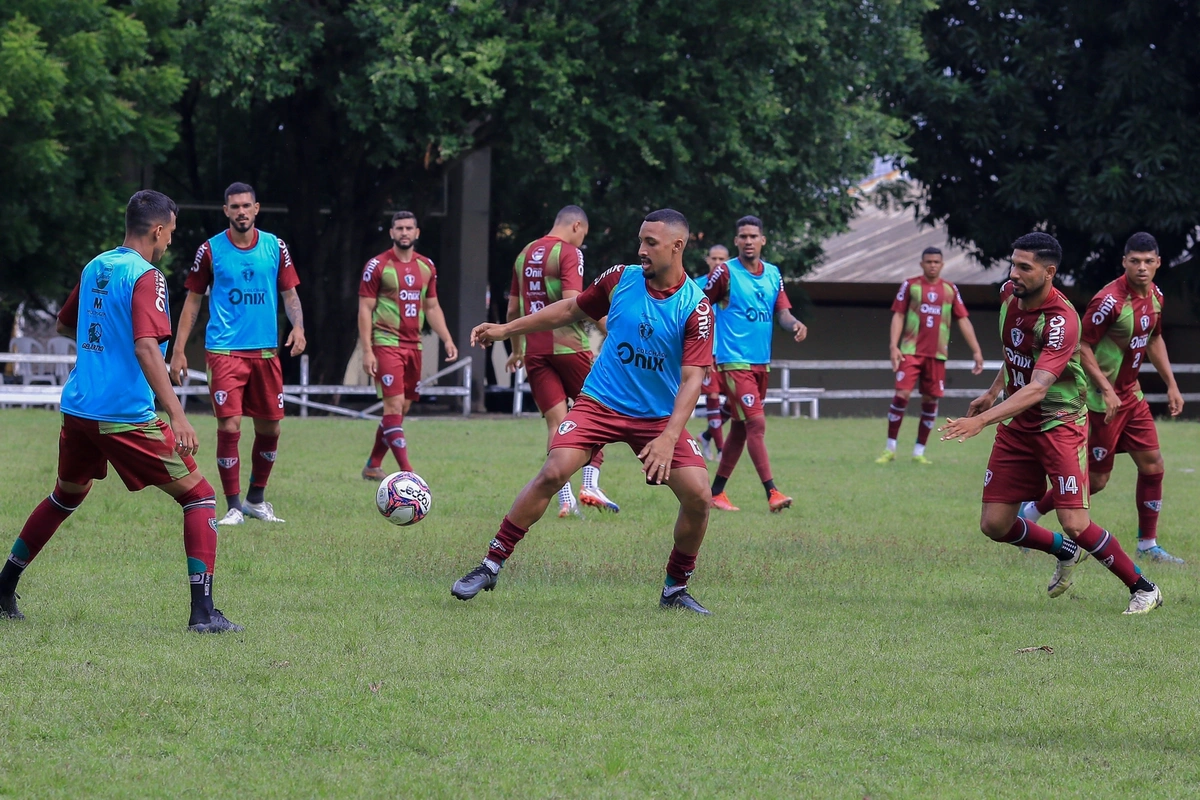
x: 556, y: 362
x: 397, y: 294
x: 748, y: 295
x: 642, y: 391
x: 922, y: 312
x: 244, y: 268
x: 715, y: 432
x: 120, y: 307
x: 1121, y: 329
x: 1045, y: 430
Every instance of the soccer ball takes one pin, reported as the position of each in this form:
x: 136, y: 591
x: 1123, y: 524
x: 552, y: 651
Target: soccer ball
x: 404, y: 498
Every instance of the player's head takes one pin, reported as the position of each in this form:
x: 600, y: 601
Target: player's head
x: 150, y: 218
x: 1035, y: 259
x: 663, y: 236
x: 571, y: 225
x: 404, y: 231
x: 749, y: 239
x: 718, y: 254
x: 241, y: 206
x: 931, y: 263
x: 1141, y: 260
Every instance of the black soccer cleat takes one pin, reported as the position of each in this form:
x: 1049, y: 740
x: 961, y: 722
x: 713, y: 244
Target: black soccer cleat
x: 682, y: 599
x: 8, y: 606
x: 216, y: 624
x: 480, y: 579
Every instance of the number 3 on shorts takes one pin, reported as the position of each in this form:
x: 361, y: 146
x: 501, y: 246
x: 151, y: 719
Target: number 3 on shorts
x: 279, y: 397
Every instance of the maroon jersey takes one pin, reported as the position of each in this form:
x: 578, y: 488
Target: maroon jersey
x: 927, y: 309
x: 1119, y: 325
x: 541, y: 273
x: 400, y: 289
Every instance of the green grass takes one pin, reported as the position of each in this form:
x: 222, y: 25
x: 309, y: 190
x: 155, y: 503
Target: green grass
x: 862, y: 643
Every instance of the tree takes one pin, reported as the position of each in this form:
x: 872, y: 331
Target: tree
x: 86, y: 97
x: 1078, y: 118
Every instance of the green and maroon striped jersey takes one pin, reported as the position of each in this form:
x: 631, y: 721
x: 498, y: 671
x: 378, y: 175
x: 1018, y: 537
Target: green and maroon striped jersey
x: 1119, y: 325
x: 541, y: 273
x: 927, y: 309
x: 1045, y: 338
x: 400, y: 289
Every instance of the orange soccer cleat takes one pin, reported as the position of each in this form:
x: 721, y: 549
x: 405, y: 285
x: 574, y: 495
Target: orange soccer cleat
x: 721, y: 501
x: 778, y: 501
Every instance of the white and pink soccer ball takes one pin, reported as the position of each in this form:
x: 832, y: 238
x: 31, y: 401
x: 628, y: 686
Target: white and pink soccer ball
x: 404, y: 498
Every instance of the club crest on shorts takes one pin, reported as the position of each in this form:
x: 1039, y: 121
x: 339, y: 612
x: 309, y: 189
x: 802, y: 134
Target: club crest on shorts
x: 566, y: 427
x: 900, y: 375
x: 987, y: 477
x: 388, y: 380
x: 1018, y: 336
x: 220, y: 396
x: 747, y: 400
x: 1099, y: 453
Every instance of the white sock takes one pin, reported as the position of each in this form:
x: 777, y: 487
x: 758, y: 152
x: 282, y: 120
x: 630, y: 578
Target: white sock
x: 670, y: 590
x: 591, y: 477
x: 1146, y: 544
x: 565, y: 496
x: 891, y: 445
x: 918, y: 450
x: 492, y: 565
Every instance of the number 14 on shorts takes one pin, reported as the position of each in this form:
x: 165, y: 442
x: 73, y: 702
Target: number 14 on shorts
x: 1067, y: 484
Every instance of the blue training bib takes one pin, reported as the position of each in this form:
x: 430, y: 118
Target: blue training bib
x: 744, y: 321
x: 243, y: 305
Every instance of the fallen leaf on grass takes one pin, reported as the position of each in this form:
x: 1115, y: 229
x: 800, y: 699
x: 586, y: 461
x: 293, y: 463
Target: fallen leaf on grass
x: 281, y: 664
x: 1045, y: 647
x: 375, y: 687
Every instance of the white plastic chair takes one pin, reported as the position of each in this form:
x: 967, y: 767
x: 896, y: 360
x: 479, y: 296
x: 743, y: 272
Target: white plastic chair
x: 61, y: 346
x: 28, y: 373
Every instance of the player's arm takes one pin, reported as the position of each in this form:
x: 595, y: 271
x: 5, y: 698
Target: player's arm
x: 517, y: 359
x: 366, y: 321
x: 183, y: 332
x: 789, y: 323
x: 555, y: 315
x: 894, y: 332
x: 149, y: 356
x: 295, y: 315
x: 1087, y: 358
x: 658, y: 453
x: 968, y: 333
x: 1157, y: 352
x: 1022, y: 400
x: 437, y: 321
x: 68, y: 315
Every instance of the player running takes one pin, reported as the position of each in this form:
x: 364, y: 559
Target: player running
x: 244, y: 268
x: 120, y: 306
x: 642, y: 391
x: 556, y: 362
x: 922, y: 312
x: 1121, y: 329
x: 747, y: 294
x: 398, y: 292
x: 1045, y: 430
x: 714, y: 433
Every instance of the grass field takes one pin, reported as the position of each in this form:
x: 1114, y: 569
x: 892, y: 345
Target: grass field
x: 863, y: 644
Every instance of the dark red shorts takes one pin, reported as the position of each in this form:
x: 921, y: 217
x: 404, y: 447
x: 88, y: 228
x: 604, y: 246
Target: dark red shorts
x: 142, y: 454
x: 251, y: 387
x: 745, y: 390
x: 590, y: 425
x: 711, y: 385
x: 930, y: 373
x: 1131, y: 431
x: 1021, y: 462
x: 554, y: 379
x: 399, y: 371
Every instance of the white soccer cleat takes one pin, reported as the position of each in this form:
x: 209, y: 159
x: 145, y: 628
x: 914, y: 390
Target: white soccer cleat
x: 1029, y: 512
x: 1144, y: 602
x: 570, y: 509
x: 233, y: 516
x: 597, y: 499
x: 1063, y: 572
x: 706, y: 449
x: 264, y: 511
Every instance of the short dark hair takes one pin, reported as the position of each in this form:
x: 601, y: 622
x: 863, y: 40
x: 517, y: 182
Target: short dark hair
x: 930, y: 251
x: 1141, y: 242
x: 1044, y: 247
x: 749, y: 219
x: 237, y: 187
x: 147, y: 209
x: 399, y: 215
x: 568, y: 214
x: 671, y: 217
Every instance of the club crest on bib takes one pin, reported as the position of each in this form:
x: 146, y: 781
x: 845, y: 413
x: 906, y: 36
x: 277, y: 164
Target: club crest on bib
x: 645, y: 330
x: 1099, y: 453
x: 747, y: 400
x: 409, y: 280
x: 220, y: 396
x: 566, y: 427
x: 247, y: 274
x: 987, y: 477
x: 387, y: 379
x: 1018, y: 336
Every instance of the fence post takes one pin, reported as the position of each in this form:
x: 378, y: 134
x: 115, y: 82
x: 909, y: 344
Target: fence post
x: 185, y: 381
x: 467, y: 378
x: 785, y: 386
x: 518, y: 395
x: 304, y: 385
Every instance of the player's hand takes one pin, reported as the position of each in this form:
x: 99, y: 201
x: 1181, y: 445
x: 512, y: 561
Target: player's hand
x: 978, y: 368
x: 514, y: 363
x: 186, y: 443
x: 488, y: 333
x: 656, y: 459
x: 1174, y: 402
x: 962, y: 428
x: 1111, y: 404
x: 178, y: 366
x: 896, y: 357
x: 370, y: 363
x: 296, y: 341
x: 451, y: 350
x: 980, y: 404
x: 799, y: 331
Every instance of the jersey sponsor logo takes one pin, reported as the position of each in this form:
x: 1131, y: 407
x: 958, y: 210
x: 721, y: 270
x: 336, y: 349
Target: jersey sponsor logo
x: 704, y: 309
x: 220, y: 396
x: 903, y: 291
x: 104, y: 276
x: 1145, y: 320
x: 1018, y: 360
x: 370, y: 270
x: 239, y: 298
x: 616, y: 268
x: 409, y: 295
x: 533, y: 286
x: 227, y: 463
x: 533, y: 272
x: 639, y: 358
x: 757, y: 315
x: 1138, y: 342
x: 199, y: 257
x: 987, y: 477
x: 748, y: 400
x: 566, y: 427
x: 1099, y: 453
x: 286, y: 255
x: 387, y: 379
x: 1153, y: 505
x: 1106, y: 306
x: 248, y: 274
x: 537, y: 256
x: 1018, y: 336
x: 94, y: 334
x: 409, y: 280
x: 160, y: 292
x: 1058, y: 332
x: 926, y: 308
x: 97, y: 309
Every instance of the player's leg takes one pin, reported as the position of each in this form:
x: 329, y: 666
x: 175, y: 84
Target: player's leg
x: 567, y: 504
x: 906, y: 380
x: 550, y: 396
x: 1102, y: 443
x: 572, y: 371
x: 1149, y: 494
x: 690, y: 485
x: 373, y: 469
x: 933, y: 387
x: 263, y: 403
x: 732, y: 382
x: 227, y: 378
x: 756, y: 441
x: 714, y: 430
